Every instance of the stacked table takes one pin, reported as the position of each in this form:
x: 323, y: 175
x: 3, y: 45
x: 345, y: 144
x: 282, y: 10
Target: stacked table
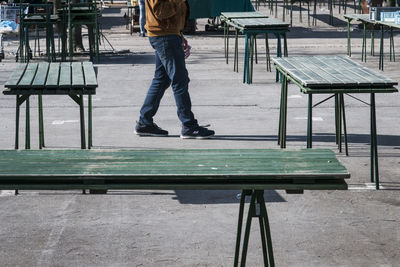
x: 335, y: 75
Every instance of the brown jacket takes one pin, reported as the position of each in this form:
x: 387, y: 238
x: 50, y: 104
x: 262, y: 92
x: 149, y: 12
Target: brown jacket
x: 166, y: 17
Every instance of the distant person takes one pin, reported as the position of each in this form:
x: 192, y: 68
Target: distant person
x: 165, y: 21
x: 142, y: 18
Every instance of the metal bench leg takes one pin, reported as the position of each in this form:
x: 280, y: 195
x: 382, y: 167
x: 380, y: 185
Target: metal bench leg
x: 90, y: 121
x: 374, y: 145
x: 41, y: 127
x: 236, y: 57
x: 346, y: 148
x: 79, y: 100
x: 267, y: 55
x: 246, y: 58
x: 27, y: 125
x: 258, y: 210
x: 17, y: 123
x: 82, y: 115
x: 240, y: 224
x: 309, y: 122
x: 381, y: 50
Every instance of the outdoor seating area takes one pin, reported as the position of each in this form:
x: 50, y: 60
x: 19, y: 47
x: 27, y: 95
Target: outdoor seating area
x: 297, y: 147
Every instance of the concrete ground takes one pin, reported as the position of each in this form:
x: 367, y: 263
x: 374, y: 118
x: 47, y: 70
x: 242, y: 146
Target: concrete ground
x: 357, y: 227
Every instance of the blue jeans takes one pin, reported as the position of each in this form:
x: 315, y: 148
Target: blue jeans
x: 170, y: 70
x: 142, y: 15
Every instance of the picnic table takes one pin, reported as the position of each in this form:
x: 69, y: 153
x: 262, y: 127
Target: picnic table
x: 74, y: 79
x: 368, y: 23
x: 249, y: 170
x: 334, y: 75
x: 251, y: 27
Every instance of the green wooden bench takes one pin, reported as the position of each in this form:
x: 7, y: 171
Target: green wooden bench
x: 73, y: 79
x: 249, y: 170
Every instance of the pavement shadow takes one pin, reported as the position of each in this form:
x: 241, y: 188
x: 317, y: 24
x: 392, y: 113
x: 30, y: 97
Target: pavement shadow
x: 198, y: 197
x: 126, y: 57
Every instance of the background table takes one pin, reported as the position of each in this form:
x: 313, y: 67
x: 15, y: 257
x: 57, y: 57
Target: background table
x: 335, y: 75
x: 73, y: 79
x: 372, y: 24
x: 252, y: 27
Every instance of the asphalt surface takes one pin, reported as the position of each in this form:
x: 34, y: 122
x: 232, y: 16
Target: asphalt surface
x: 357, y: 227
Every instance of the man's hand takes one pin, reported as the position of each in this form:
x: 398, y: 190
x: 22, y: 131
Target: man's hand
x: 186, y: 47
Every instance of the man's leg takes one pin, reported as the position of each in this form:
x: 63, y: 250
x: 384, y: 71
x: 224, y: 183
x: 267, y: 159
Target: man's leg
x: 174, y: 64
x: 173, y: 59
x: 156, y: 91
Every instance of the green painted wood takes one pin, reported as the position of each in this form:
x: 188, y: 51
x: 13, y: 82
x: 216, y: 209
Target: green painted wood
x: 29, y: 75
x: 172, y: 169
x: 336, y: 184
x: 180, y: 163
x: 260, y: 23
x: 53, y: 76
x: 90, y: 75
x: 249, y: 14
x: 16, y: 76
x: 78, y: 80
x: 65, y: 75
x: 41, y: 75
x: 332, y: 72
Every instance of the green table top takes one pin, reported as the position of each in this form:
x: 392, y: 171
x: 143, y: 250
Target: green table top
x: 360, y: 17
x: 332, y: 73
x: 250, y: 14
x: 259, y: 23
x: 31, y: 78
x: 182, y: 164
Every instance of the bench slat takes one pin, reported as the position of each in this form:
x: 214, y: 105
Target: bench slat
x: 41, y: 75
x: 53, y: 76
x: 77, y: 75
x: 90, y: 75
x: 29, y: 75
x: 65, y: 75
x: 16, y: 76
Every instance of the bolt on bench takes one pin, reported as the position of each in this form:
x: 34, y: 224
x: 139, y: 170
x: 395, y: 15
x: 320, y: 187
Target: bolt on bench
x: 73, y: 79
x: 250, y: 170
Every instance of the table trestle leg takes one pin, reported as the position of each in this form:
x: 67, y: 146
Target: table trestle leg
x: 309, y: 122
x: 27, y: 125
x: 90, y: 144
x: 236, y: 57
x: 258, y: 210
x: 267, y: 55
x: 374, y: 145
x: 346, y: 147
x: 79, y: 100
x: 41, y: 127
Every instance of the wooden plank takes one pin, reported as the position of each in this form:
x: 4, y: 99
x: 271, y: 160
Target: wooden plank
x: 89, y: 75
x: 16, y: 76
x: 41, y: 75
x: 65, y: 75
x: 255, y: 164
x: 53, y: 76
x: 77, y: 75
x: 29, y: 75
